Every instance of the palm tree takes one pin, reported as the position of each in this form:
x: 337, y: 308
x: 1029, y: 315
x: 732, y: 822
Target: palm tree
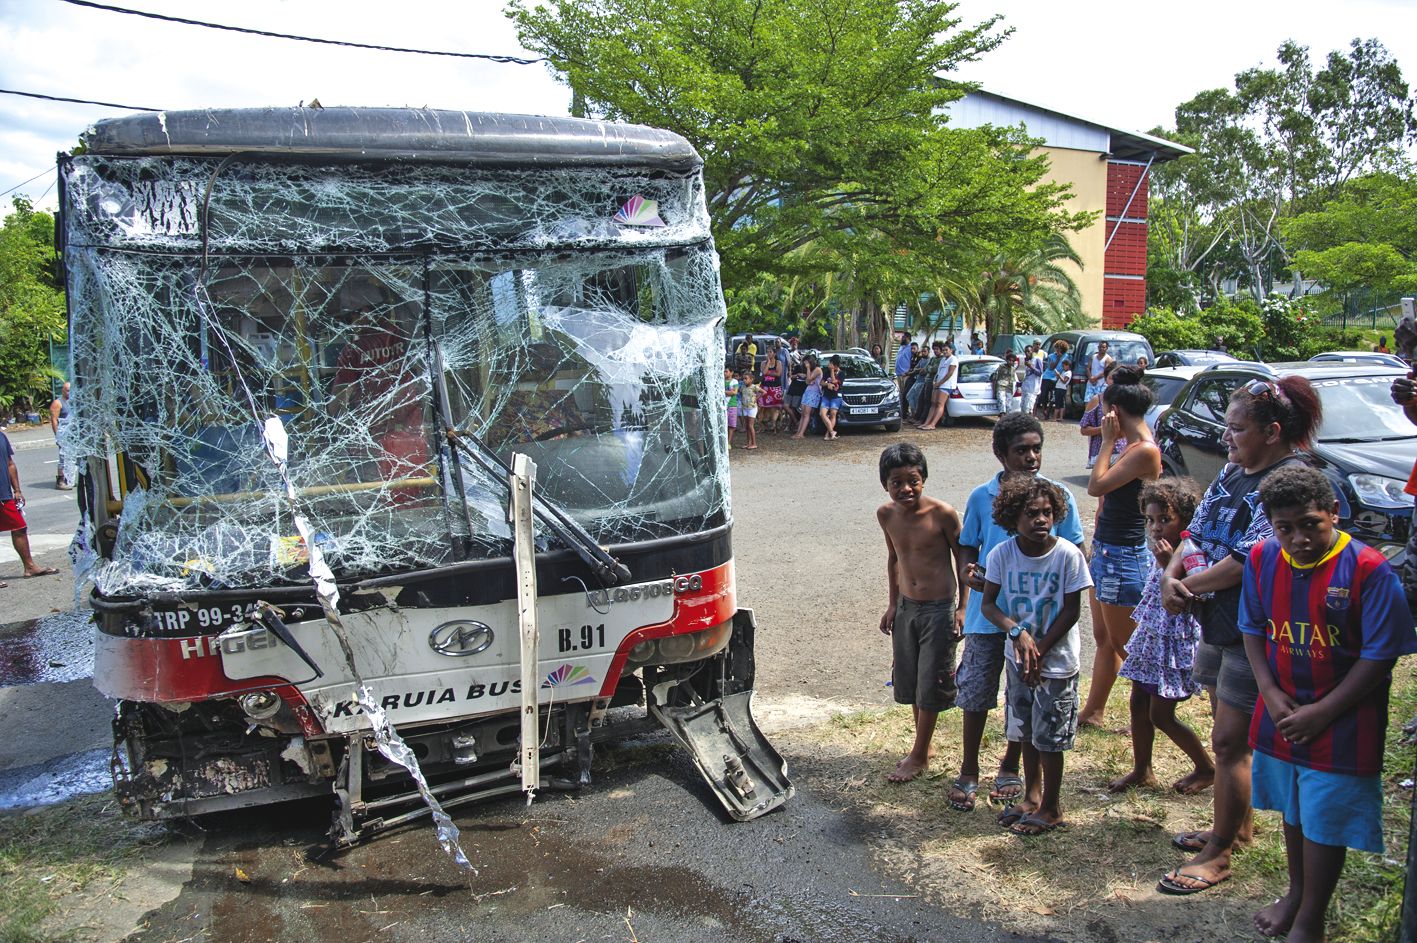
x: 1030, y: 290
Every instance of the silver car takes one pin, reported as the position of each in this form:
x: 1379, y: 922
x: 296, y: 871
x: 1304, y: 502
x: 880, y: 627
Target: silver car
x: 975, y: 396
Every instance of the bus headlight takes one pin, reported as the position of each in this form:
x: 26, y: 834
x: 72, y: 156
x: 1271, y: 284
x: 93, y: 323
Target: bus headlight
x: 687, y: 646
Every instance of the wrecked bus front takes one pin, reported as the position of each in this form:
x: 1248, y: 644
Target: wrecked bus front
x: 308, y: 345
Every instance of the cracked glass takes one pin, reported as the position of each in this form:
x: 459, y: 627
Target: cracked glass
x: 346, y: 299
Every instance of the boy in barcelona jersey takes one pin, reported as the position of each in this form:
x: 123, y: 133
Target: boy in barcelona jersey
x: 1324, y: 619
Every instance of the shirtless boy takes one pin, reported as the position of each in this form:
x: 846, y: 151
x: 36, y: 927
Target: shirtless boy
x: 923, y: 570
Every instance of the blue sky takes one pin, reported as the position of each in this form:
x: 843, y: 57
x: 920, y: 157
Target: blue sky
x: 1078, y: 57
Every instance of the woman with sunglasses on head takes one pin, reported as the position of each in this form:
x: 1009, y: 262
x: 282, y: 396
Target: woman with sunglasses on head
x: 1266, y: 425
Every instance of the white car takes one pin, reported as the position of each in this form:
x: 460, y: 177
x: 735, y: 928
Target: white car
x: 975, y: 395
x: 1165, y: 383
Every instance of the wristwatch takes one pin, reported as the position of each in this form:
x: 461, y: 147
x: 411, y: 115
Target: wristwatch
x: 1018, y: 629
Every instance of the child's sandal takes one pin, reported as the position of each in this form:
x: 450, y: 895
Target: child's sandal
x: 969, y: 789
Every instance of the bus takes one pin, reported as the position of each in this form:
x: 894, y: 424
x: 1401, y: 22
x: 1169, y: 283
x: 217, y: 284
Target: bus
x: 403, y: 458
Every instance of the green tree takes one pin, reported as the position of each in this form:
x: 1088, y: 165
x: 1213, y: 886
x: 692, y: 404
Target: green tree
x: 819, y: 121
x: 1025, y: 291
x: 31, y: 304
x: 1363, y: 239
x: 1283, y: 142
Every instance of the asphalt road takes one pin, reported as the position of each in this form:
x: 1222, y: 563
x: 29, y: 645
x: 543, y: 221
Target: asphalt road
x: 644, y: 853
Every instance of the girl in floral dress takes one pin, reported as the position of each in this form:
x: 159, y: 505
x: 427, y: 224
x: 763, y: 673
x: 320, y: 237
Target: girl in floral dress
x: 1162, y: 650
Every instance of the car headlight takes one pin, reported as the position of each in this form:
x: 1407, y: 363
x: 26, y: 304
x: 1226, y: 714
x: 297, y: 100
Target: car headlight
x: 892, y: 395
x: 1379, y: 492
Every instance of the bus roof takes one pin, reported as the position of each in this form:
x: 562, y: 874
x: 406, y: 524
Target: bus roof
x: 393, y: 134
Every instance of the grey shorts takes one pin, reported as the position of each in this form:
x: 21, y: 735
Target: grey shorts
x: 977, y: 677
x: 1227, y: 669
x: 1046, y: 716
x: 923, y: 640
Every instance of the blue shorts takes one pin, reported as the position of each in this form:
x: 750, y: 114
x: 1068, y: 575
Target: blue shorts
x: 1118, y: 573
x: 1330, y: 808
x: 833, y: 402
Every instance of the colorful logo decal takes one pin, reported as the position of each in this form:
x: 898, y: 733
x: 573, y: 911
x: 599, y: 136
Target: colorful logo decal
x: 568, y: 675
x: 638, y: 211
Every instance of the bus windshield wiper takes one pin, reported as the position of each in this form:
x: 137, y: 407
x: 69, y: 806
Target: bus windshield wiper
x: 610, y: 571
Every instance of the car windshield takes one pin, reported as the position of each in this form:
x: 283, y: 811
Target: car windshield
x: 1359, y: 409
x: 1125, y: 351
x: 978, y: 371
x: 859, y: 368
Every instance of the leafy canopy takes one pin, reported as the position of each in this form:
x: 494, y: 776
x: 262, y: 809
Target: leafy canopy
x: 818, y: 122
x: 31, y: 303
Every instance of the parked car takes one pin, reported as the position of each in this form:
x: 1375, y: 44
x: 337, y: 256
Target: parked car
x: 1359, y: 356
x: 1123, y: 346
x: 870, y: 394
x: 764, y: 342
x: 1166, y: 383
x: 1365, y: 445
x: 1192, y: 358
x: 975, y: 396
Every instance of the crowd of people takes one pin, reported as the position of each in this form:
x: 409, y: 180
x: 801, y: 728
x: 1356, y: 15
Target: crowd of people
x: 1247, y: 590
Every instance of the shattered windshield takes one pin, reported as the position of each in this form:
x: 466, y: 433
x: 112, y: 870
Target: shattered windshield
x: 593, y: 348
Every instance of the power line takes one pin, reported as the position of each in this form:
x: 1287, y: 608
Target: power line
x: 31, y: 180
x: 77, y: 101
x: 508, y: 60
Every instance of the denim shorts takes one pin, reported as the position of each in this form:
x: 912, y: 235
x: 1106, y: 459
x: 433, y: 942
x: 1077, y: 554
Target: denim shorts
x: 1329, y: 808
x: 833, y: 402
x: 1118, y: 572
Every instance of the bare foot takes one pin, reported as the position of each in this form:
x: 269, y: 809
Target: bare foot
x: 1095, y: 721
x: 1198, y: 781
x: 1133, y: 780
x: 1278, y: 917
x: 906, y: 770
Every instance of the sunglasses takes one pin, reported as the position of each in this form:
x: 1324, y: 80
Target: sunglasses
x: 1259, y: 388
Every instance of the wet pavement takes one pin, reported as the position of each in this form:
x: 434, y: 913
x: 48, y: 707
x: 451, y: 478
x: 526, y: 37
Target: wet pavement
x: 643, y: 854
x: 62, y: 778
x: 54, y: 648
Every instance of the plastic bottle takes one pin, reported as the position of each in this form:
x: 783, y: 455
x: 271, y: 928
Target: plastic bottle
x: 1193, y: 558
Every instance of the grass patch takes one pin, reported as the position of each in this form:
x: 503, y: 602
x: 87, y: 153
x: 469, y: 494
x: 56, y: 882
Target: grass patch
x: 1096, y: 879
x: 48, y: 854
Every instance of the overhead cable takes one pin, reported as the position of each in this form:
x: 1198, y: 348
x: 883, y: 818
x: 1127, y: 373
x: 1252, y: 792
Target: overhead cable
x: 30, y: 180
x: 77, y: 101
x: 509, y: 60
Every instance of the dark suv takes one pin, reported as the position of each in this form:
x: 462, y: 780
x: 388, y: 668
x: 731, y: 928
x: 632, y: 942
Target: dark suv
x: 1365, y: 445
x: 1122, y: 346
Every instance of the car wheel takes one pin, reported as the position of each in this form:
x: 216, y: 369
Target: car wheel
x: 1170, y: 469
x: 892, y: 426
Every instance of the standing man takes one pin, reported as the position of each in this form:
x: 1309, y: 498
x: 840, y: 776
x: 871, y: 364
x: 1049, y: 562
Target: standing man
x: 902, y: 363
x: 58, y: 422
x: 12, y: 517
x: 1097, y: 372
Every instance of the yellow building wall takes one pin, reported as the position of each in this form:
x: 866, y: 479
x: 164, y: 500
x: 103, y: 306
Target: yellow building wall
x: 1086, y: 172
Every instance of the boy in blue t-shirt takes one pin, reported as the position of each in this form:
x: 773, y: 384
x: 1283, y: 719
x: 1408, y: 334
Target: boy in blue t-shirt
x: 1018, y: 445
x: 1325, y: 619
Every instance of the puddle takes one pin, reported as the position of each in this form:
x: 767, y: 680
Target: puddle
x: 62, y: 778
x: 58, y: 647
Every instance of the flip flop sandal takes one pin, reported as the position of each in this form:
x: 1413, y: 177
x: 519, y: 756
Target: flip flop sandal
x: 969, y: 789
x: 1009, y: 817
x: 1011, y: 782
x: 47, y: 571
x: 1188, y: 841
x: 1169, y: 885
x: 1030, y: 826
